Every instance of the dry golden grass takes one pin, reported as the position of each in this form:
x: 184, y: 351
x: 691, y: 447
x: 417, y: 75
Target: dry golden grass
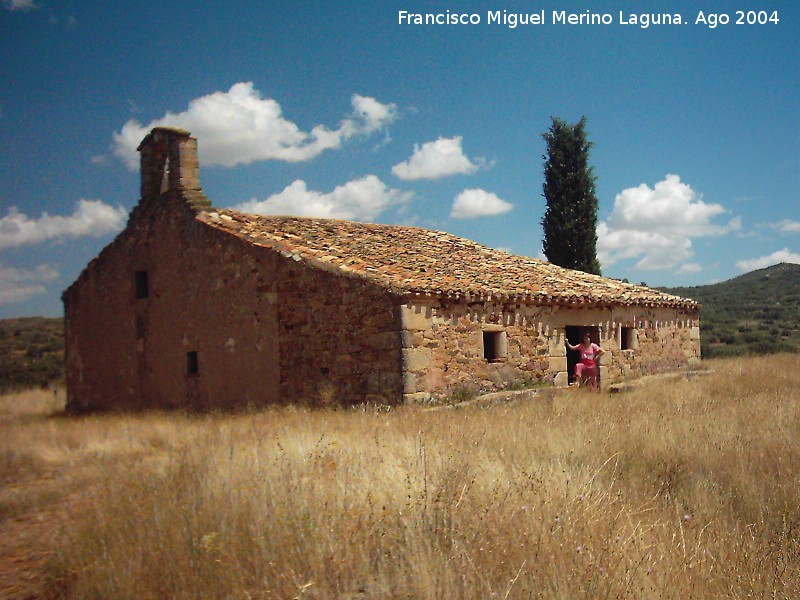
x: 685, y: 489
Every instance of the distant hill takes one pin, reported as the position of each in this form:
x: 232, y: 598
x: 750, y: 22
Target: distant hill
x: 31, y: 352
x: 755, y: 313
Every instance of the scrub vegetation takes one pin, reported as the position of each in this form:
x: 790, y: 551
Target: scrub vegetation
x: 755, y: 313
x: 31, y: 352
x: 667, y: 491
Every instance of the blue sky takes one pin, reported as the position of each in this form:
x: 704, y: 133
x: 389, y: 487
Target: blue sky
x: 337, y: 109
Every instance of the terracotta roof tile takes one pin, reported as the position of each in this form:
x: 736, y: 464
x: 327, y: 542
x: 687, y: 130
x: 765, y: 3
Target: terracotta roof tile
x: 413, y: 261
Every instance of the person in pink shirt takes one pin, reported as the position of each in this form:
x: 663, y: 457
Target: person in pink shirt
x: 586, y: 370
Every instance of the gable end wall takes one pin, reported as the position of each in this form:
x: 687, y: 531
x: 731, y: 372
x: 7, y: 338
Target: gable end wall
x: 209, y: 294
x: 263, y: 328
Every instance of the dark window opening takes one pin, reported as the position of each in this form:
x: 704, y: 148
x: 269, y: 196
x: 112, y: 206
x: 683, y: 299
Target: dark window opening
x: 165, y: 180
x: 142, y: 284
x: 192, y: 363
x: 627, y: 338
x: 494, y: 347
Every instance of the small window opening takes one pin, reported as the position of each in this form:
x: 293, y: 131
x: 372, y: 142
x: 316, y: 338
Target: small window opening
x: 165, y: 180
x: 494, y: 345
x: 192, y: 363
x: 142, y: 284
x: 627, y: 338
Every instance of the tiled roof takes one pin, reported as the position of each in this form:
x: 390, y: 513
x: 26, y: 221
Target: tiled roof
x: 413, y: 261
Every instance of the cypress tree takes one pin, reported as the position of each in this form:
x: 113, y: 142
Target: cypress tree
x: 570, y: 218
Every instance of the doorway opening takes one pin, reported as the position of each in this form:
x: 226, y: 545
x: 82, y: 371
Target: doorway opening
x: 574, y: 335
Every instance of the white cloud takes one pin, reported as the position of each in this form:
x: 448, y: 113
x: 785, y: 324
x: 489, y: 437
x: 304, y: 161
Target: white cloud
x: 435, y: 160
x: 359, y: 200
x: 690, y: 268
x: 373, y: 114
x: 787, y: 226
x: 239, y: 127
x: 656, y: 225
x: 19, y: 285
x: 90, y: 218
x: 21, y: 5
x: 475, y: 202
x: 781, y: 256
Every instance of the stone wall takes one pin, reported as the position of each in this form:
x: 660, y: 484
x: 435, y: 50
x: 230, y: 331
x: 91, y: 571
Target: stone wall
x: 208, y: 295
x: 340, y: 338
x: 444, y: 347
x: 261, y: 327
x: 443, y: 352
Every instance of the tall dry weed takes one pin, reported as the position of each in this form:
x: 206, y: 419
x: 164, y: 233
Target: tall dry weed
x: 686, y: 489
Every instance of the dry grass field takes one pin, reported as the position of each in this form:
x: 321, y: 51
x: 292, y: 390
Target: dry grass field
x: 686, y: 489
